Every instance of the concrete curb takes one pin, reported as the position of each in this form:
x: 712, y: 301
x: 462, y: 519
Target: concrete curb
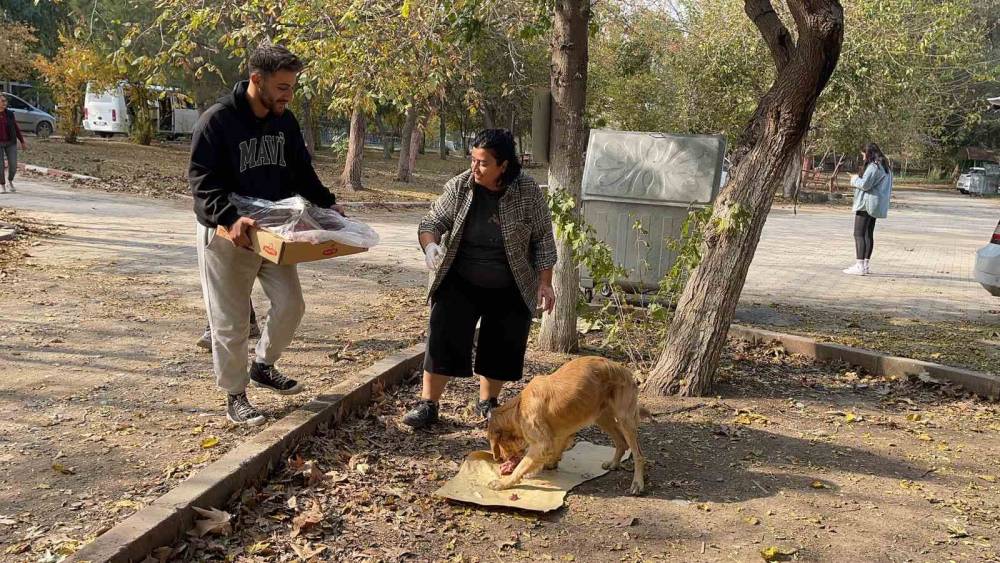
x: 168, y: 517
x: 983, y: 384
x: 53, y: 172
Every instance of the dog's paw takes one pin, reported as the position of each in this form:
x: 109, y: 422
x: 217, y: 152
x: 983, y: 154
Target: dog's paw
x: 497, y: 485
x: 611, y: 466
x: 636, y: 488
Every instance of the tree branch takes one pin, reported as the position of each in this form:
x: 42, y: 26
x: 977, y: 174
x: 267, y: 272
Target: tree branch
x: 778, y: 39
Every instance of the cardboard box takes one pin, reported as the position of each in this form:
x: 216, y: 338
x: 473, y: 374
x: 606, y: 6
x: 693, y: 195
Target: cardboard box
x: 275, y: 249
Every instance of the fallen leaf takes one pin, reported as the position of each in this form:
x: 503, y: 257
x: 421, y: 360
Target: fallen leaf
x: 851, y: 417
x: 305, y: 521
x: 776, y: 553
x: 259, y: 548
x: 215, y: 522
x: 752, y: 520
x: 819, y: 485
x: 306, y: 553
x: 990, y: 478
x: 514, y: 497
x: 956, y: 531
x: 925, y: 437
x: 197, y: 430
x: 60, y: 468
x: 209, y: 442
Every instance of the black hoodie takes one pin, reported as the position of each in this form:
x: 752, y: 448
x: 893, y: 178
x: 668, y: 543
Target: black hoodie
x: 234, y: 151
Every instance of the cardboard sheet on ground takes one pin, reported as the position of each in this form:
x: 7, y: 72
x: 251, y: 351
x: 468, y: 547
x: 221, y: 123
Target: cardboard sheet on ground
x: 544, y: 492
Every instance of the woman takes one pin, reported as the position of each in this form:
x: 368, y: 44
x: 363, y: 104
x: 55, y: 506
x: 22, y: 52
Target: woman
x: 488, y: 240
x: 872, y: 191
x: 10, y: 135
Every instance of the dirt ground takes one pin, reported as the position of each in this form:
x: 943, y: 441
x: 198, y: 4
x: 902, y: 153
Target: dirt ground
x: 970, y: 344
x: 160, y: 170
x: 813, y: 462
x: 107, y: 402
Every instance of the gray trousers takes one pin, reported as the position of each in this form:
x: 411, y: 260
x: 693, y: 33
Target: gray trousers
x: 10, y: 151
x: 227, y: 276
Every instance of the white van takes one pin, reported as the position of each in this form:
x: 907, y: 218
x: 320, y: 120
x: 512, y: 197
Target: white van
x: 106, y: 113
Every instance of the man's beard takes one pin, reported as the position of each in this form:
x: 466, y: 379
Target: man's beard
x: 270, y: 103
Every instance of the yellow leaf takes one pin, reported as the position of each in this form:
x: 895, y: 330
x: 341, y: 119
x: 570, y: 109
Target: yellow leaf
x: 925, y: 438
x: 209, y: 442
x: 776, y: 553
x: 197, y: 430
x: 914, y: 417
x: 819, y: 485
x: 990, y: 478
x: 752, y: 520
x: 60, y: 468
x: 850, y: 417
x: 259, y: 548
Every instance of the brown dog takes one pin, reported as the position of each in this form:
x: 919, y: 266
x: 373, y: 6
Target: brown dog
x: 541, y: 422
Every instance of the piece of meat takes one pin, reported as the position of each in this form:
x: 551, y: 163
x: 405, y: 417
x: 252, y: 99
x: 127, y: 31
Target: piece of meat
x: 507, y: 467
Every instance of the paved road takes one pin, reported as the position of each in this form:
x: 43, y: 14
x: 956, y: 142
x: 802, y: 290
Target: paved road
x: 922, y: 264
x: 924, y: 251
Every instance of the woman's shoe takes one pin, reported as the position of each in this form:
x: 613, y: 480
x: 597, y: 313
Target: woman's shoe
x: 855, y: 270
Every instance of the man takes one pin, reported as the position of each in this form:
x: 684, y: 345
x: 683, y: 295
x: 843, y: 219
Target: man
x: 249, y: 144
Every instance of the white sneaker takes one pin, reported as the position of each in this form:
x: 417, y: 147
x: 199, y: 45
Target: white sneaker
x: 3, y: 188
x: 855, y: 270
x: 10, y: 187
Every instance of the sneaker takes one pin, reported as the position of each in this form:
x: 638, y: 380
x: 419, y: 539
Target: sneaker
x: 484, y: 408
x: 422, y: 415
x: 3, y: 188
x: 206, y: 340
x: 10, y: 187
x: 855, y: 270
x: 254, y: 330
x: 240, y: 411
x: 269, y: 377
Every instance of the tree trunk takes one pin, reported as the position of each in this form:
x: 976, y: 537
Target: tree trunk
x: 308, y: 130
x: 404, y: 169
x: 416, y: 141
x: 384, y: 135
x: 793, y: 176
x: 487, y: 116
x: 836, y: 172
x: 443, y: 134
x: 706, y: 307
x: 569, y: 92
x: 351, y: 177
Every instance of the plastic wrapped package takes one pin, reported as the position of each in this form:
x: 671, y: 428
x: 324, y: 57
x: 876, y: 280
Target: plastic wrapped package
x: 297, y: 220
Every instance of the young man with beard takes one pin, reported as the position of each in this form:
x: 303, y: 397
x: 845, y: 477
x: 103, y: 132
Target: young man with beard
x: 248, y: 143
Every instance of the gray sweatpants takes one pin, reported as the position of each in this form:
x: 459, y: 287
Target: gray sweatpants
x: 227, y: 276
x: 10, y: 151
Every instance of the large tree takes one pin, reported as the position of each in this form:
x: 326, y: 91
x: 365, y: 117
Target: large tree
x: 804, y: 63
x: 569, y: 48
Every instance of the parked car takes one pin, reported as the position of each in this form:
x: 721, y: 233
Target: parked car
x: 29, y: 118
x: 987, y: 270
x: 967, y: 178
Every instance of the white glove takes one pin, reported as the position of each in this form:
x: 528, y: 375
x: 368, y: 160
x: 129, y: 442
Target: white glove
x: 433, y: 256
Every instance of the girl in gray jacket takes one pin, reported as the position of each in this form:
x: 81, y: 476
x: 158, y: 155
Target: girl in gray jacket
x: 872, y: 191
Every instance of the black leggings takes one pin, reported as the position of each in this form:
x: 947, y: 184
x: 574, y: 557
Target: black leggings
x: 864, y: 235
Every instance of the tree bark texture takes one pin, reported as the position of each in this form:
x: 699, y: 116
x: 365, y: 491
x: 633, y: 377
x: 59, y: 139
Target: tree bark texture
x: 351, y: 177
x: 308, y: 129
x: 443, y: 134
x: 569, y: 137
x: 416, y: 142
x: 793, y: 176
x: 404, y: 170
x: 706, y: 307
x: 384, y: 134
